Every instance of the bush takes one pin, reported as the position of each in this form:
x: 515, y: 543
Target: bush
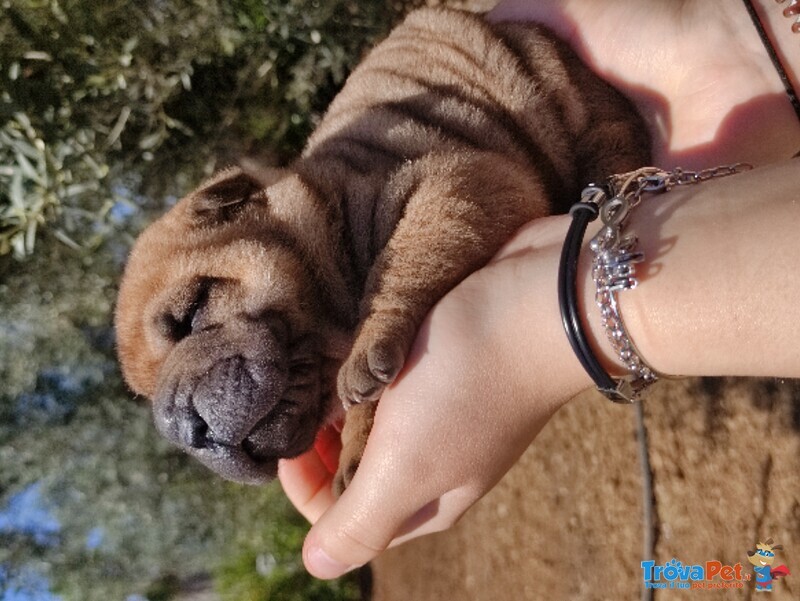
x: 97, y: 97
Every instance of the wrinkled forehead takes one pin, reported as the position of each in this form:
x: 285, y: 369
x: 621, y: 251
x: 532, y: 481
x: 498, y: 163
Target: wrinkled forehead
x: 250, y: 261
x: 165, y: 261
x: 165, y: 266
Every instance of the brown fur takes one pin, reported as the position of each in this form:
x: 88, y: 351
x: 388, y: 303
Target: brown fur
x: 240, y: 306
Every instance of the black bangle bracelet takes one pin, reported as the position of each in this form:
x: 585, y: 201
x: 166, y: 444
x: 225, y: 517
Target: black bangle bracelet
x: 582, y: 214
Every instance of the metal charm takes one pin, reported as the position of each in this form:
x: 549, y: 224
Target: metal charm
x: 615, y: 258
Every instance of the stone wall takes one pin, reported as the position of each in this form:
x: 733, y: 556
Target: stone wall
x: 566, y: 522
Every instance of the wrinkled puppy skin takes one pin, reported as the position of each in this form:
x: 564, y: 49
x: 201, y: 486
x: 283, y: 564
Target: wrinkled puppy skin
x: 265, y: 300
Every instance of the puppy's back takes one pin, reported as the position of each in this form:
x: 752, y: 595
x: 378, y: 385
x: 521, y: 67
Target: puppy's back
x: 447, y: 80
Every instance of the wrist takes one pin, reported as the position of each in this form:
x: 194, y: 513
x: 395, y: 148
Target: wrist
x: 715, y: 291
x: 523, y: 277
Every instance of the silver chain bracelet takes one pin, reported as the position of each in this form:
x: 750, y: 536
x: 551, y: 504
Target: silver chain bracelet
x: 615, y: 257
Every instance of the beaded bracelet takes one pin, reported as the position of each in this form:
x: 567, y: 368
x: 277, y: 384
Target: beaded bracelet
x: 614, y: 269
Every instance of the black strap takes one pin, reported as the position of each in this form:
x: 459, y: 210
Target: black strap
x: 773, y: 55
x: 582, y: 213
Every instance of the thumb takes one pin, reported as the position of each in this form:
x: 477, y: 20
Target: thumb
x: 391, y: 498
x: 379, y: 510
x: 357, y: 528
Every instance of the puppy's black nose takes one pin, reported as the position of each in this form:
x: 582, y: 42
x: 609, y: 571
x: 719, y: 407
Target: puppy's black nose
x: 182, y: 425
x: 191, y: 429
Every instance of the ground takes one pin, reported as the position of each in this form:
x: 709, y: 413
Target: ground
x: 566, y: 522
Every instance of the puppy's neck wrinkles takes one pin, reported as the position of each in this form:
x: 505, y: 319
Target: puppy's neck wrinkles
x: 301, y: 205
x: 360, y: 216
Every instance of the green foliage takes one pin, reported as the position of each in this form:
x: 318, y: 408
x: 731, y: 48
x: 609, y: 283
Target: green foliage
x: 98, y: 95
x: 268, y: 567
x: 45, y: 183
x: 107, y: 110
x: 68, y: 423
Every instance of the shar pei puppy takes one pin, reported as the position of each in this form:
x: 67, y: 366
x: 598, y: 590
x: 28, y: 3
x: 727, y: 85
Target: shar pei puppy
x: 263, y: 302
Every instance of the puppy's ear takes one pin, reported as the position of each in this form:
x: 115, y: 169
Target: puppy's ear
x: 220, y: 198
x: 266, y: 176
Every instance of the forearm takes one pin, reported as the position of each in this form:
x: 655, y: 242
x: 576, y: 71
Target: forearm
x: 717, y: 292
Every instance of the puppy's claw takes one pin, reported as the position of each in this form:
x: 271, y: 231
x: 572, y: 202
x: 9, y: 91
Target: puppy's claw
x: 349, y: 403
x: 355, y: 433
x: 368, y: 370
x: 344, y: 476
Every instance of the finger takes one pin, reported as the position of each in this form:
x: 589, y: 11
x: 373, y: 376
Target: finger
x: 371, y: 510
x: 378, y: 505
x: 307, y: 479
x: 350, y: 534
x: 348, y: 537
x: 307, y: 482
x: 328, y: 445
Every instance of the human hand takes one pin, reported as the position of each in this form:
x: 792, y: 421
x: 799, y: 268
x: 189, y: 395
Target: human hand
x: 492, y: 364
x: 696, y: 70
x: 489, y: 368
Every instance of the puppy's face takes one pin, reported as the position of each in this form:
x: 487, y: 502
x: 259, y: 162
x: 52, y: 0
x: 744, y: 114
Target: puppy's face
x: 217, y: 324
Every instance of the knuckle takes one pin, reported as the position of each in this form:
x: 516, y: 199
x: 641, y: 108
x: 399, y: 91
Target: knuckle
x: 359, y: 541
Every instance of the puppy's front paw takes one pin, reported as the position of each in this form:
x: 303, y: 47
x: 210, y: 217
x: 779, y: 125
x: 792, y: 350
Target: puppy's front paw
x: 344, y: 475
x: 357, y: 426
x: 372, y: 365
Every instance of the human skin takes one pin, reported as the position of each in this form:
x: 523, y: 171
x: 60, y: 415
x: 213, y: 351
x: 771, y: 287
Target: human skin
x: 697, y: 71
x: 492, y: 364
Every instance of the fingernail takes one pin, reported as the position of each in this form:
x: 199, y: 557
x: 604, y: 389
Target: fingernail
x: 322, y: 565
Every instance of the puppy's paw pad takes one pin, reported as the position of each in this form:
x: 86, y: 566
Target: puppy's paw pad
x: 385, y: 361
x: 357, y: 384
x: 367, y: 371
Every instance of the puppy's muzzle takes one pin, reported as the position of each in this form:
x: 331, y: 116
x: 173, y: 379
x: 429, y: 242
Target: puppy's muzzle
x: 233, y: 407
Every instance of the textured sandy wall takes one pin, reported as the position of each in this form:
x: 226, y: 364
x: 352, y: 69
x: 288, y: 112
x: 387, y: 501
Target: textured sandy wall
x: 566, y: 522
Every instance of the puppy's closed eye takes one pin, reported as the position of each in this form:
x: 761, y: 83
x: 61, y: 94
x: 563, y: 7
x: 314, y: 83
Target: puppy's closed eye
x: 185, y: 315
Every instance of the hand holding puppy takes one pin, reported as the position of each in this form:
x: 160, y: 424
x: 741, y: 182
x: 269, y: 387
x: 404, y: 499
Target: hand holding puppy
x: 468, y: 403
x: 492, y: 364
